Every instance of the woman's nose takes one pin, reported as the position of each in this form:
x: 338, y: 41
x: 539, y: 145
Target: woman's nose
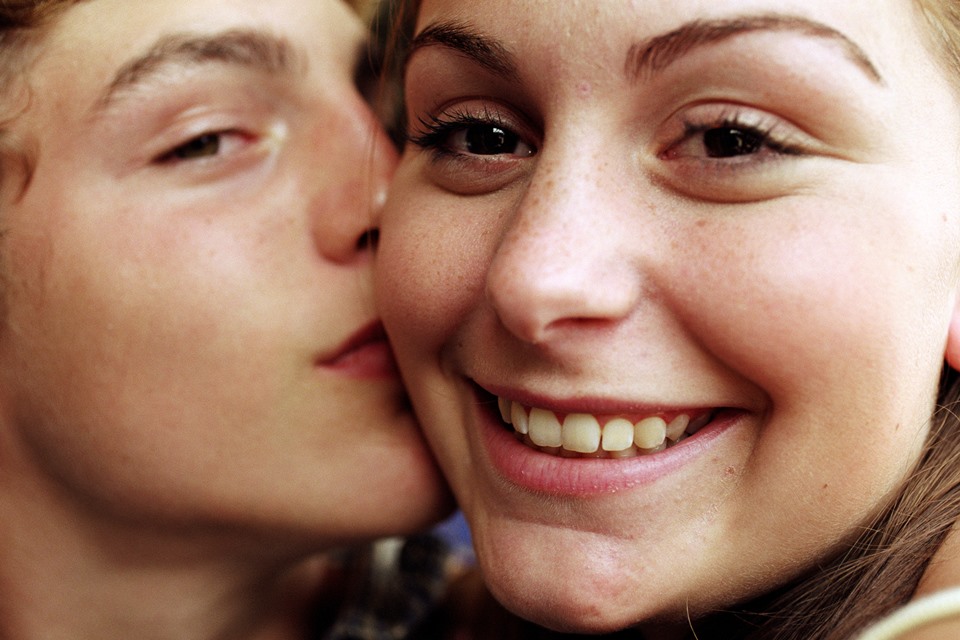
x: 359, y: 161
x: 561, y: 263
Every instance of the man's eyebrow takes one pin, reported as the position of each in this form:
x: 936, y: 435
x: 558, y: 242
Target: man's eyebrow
x: 246, y: 48
x: 460, y: 37
x: 657, y: 53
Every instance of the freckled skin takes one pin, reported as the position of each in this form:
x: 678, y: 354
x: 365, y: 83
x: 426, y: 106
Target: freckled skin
x: 812, y: 291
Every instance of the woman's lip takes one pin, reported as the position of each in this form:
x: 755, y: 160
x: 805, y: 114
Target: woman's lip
x: 365, y: 354
x: 544, y: 473
x: 595, y: 406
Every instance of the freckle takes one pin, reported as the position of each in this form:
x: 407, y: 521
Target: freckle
x: 825, y: 487
x: 701, y: 223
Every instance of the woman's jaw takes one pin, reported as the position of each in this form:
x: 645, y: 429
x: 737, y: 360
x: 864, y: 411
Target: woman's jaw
x: 594, y: 519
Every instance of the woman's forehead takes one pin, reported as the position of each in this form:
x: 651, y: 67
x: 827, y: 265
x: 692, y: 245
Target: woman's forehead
x: 859, y: 26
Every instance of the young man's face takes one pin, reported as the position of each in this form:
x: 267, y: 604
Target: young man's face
x: 190, y: 332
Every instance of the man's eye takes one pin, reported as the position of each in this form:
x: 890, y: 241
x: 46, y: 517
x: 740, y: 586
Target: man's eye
x: 214, y: 153
x: 204, y: 146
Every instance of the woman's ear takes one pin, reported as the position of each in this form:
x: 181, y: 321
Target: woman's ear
x: 953, y: 338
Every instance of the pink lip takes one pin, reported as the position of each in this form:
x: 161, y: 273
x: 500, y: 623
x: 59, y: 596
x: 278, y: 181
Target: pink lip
x: 583, y: 477
x: 583, y: 405
x: 365, y: 354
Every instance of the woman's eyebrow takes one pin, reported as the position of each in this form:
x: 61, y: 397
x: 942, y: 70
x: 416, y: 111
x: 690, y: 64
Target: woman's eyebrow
x: 657, y: 53
x: 460, y: 37
x: 651, y: 55
x: 246, y: 48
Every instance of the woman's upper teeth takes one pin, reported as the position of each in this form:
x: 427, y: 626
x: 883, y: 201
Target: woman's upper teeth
x: 616, y: 436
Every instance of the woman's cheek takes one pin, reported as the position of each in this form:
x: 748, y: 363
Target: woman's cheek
x: 431, y: 267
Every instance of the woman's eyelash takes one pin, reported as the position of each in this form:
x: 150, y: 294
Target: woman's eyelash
x: 726, y: 138
x: 435, y: 131
x: 745, y: 138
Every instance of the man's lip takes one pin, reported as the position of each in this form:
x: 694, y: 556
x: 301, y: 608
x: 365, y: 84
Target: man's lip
x: 365, y: 353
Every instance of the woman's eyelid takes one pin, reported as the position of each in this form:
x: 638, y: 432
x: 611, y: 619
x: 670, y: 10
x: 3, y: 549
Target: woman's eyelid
x: 779, y: 134
x: 446, y: 118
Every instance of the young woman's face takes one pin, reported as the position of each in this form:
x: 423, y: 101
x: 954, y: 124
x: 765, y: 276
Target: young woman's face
x: 190, y: 333
x: 623, y: 223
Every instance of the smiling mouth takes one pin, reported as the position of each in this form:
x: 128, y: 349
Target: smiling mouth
x: 583, y: 435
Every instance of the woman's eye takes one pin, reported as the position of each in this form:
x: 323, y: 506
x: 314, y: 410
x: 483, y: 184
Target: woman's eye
x: 489, y: 140
x: 729, y: 142
x: 732, y: 154
x: 470, y: 136
x: 475, y: 150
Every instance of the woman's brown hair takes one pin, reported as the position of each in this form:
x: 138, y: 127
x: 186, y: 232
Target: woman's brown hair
x: 881, y: 569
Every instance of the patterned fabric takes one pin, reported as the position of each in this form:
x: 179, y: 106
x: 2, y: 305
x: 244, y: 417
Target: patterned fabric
x: 398, y: 584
